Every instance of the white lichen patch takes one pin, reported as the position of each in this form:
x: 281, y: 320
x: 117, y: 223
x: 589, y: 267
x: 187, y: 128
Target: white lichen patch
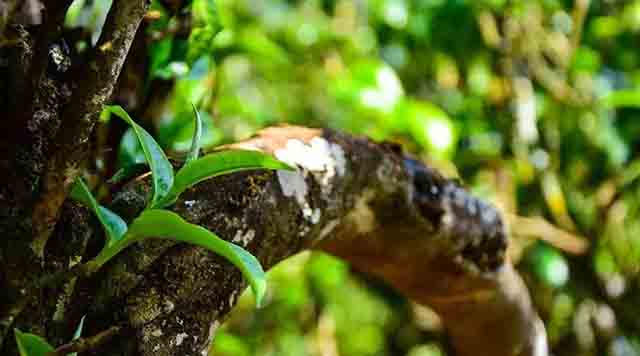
x: 326, y: 157
x: 180, y: 338
x: 293, y: 185
x: 315, y: 216
x: 244, y: 238
x: 322, y: 159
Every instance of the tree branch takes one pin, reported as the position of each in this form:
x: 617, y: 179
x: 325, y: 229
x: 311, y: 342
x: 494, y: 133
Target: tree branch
x: 88, y: 343
x: 95, y: 82
x: 389, y: 215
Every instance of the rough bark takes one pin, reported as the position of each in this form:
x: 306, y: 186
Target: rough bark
x: 49, y: 107
x: 367, y: 203
x: 94, y: 85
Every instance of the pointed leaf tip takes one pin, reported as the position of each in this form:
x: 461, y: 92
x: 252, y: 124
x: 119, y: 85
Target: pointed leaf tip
x: 196, y: 141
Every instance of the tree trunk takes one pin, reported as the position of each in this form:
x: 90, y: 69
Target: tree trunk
x: 366, y: 202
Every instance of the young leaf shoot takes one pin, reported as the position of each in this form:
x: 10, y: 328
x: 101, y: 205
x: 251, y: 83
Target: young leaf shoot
x: 78, y: 333
x: 162, y: 171
x: 197, y: 137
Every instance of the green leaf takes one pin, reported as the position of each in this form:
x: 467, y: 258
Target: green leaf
x: 164, y: 224
x: 113, y: 224
x: 74, y: 13
x: 117, y: 226
x: 622, y: 98
x: 32, y: 345
x: 77, y: 334
x: 179, y: 133
x: 220, y: 163
x: 129, y: 151
x: 162, y: 171
x: 197, y: 137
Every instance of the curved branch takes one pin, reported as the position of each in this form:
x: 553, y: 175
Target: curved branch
x: 387, y: 214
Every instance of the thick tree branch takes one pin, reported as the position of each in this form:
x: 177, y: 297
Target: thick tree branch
x: 94, y: 85
x: 388, y: 215
x: 50, y: 113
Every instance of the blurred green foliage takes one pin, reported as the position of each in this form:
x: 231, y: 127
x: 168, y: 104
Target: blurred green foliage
x: 534, y: 103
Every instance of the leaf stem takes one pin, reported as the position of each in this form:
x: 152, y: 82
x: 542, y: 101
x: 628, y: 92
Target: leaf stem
x: 87, y: 343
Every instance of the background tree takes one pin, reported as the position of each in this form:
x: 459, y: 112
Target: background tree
x: 531, y: 102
